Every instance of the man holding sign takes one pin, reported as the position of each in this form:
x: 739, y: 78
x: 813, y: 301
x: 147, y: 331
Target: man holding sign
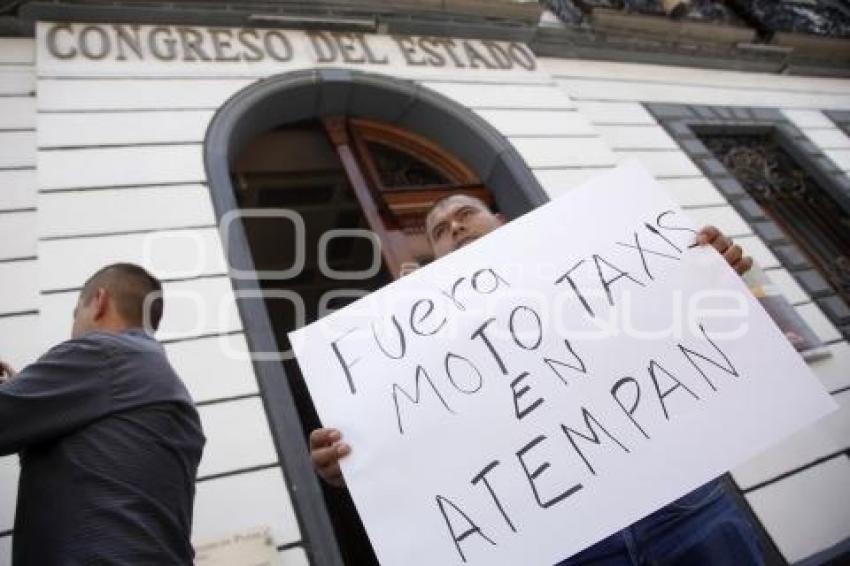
x: 643, y: 440
x: 705, y: 524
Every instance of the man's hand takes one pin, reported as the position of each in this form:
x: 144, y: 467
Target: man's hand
x: 7, y: 372
x: 326, y: 449
x: 733, y: 254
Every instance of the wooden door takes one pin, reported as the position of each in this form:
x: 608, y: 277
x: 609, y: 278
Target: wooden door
x: 396, y: 177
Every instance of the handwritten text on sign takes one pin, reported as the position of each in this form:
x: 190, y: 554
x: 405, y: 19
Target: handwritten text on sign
x: 545, y: 386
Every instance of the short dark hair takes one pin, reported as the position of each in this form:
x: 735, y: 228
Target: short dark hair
x: 132, y: 288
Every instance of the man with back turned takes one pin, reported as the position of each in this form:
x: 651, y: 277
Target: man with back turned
x: 108, y: 437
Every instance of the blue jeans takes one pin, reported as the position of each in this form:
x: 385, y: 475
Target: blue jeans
x: 703, y: 528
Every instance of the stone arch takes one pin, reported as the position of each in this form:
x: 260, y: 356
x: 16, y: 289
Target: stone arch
x: 310, y: 94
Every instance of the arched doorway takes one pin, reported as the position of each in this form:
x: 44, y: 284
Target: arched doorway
x: 375, y: 152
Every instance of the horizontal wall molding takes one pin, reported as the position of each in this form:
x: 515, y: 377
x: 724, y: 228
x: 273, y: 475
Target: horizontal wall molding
x: 226, y: 399
x: 202, y: 182
x: 120, y: 145
x: 483, y: 80
x: 124, y: 232
x: 705, y: 84
x: 615, y: 89
x: 18, y: 259
x: 601, y: 167
x: 129, y: 110
x: 19, y: 313
x: 15, y: 210
x: 845, y: 453
x: 200, y: 336
x: 162, y: 279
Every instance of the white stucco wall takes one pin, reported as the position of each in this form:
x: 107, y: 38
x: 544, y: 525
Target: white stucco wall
x: 18, y: 264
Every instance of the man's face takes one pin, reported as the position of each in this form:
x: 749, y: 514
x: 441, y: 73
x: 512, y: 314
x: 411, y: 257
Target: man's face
x: 457, y: 221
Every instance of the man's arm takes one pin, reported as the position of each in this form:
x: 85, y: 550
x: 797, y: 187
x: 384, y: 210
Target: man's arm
x: 64, y: 390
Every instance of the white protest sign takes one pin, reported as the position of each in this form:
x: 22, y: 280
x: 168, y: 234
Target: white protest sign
x: 551, y: 383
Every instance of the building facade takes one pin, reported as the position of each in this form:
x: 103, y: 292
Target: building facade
x: 170, y: 135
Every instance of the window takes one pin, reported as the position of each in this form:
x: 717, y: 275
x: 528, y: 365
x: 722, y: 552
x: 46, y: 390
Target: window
x: 792, y: 198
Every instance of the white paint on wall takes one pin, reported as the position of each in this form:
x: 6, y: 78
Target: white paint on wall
x: 167, y: 253
x: 19, y: 294
x: 242, y: 502
x: 119, y: 166
x: 19, y: 343
x: 17, y: 149
x: 17, y: 112
x: 108, y: 211
x: 17, y: 189
x: 17, y: 235
x: 807, y: 512
x: 214, y: 367
x: 238, y: 437
x: 122, y: 128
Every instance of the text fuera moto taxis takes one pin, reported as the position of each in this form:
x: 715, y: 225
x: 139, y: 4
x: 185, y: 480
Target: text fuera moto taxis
x: 545, y: 386
x: 426, y: 317
x: 485, y: 355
